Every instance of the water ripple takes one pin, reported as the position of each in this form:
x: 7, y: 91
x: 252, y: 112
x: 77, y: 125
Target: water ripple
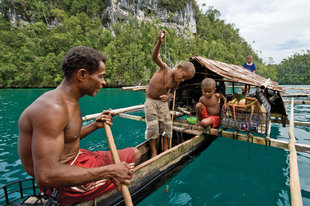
x: 180, y: 199
x: 284, y: 199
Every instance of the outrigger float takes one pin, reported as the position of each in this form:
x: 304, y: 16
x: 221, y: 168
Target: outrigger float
x: 250, y: 122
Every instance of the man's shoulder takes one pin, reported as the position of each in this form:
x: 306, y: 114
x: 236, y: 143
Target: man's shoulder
x: 48, y: 103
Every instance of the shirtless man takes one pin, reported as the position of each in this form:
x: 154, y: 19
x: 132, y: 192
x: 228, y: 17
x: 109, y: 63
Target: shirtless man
x: 50, y: 132
x: 161, y: 87
x: 208, y: 108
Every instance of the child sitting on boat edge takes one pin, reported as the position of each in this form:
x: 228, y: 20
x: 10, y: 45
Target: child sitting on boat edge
x: 208, y: 108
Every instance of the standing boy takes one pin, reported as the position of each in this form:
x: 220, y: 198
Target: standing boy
x: 208, y: 108
x: 249, y: 65
x: 161, y: 87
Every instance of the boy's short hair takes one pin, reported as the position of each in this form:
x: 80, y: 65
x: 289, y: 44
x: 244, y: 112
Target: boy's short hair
x: 189, y: 68
x: 81, y: 57
x: 208, y: 82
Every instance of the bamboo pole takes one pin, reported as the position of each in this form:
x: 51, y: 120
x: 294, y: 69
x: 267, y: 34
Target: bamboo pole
x: 170, y: 142
x: 116, y: 111
x: 135, y: 88
x: 115, y: 158
x: 298, y: 101
x: 296, y: 199
x: 296, y: 88
x: 183, y: 110
x: 173, y: 104
x: 295, y: 95
x: 305, y: 124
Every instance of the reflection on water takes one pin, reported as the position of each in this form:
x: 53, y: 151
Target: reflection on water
x: 228, y: 172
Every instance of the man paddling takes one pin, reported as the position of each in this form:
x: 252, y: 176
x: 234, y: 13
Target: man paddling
x: 50, y: 132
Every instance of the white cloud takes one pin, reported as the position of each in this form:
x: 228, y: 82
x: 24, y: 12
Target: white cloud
x: 278, y: 27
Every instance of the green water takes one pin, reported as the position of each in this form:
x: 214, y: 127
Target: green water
x: 228, y: 172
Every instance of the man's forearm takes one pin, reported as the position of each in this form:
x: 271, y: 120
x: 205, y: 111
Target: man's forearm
x: 67, y: 175
x: 87, y: 129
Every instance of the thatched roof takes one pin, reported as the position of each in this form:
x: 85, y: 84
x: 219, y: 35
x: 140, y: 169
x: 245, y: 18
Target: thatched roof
x: 236, y: 73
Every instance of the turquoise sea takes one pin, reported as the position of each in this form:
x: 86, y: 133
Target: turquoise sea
x: 228, y: 172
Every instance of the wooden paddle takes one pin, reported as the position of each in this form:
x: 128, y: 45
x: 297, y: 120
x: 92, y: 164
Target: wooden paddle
x: 115, y: 158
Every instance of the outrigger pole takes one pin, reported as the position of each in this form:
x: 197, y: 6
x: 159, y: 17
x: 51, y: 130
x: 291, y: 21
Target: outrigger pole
x: 296, y: 199
x: 116, y: 111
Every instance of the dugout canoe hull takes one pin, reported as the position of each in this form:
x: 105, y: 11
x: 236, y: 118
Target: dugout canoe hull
x: 153, y: 173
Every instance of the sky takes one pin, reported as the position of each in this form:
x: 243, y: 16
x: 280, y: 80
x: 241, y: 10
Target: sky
x: 273, y: 28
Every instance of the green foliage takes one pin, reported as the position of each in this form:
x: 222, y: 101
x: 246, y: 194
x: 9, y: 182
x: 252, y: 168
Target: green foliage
x: 173, y: 5
x: 294, y: 69
x: 38, y: 10
x: 267, y: 71
x: 31, y: 54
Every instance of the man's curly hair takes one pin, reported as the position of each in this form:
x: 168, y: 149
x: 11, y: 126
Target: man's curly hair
x: 81, y: 57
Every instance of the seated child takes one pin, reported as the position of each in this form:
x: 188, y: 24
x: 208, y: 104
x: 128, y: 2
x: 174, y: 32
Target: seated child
x: 208, y: 108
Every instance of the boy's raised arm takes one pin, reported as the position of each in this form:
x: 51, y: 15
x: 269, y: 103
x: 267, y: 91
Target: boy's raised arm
x: 155, y: 55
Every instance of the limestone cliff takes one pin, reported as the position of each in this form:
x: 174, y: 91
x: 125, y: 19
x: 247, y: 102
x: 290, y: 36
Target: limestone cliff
x: 149, y: 10
x: 179, y: 15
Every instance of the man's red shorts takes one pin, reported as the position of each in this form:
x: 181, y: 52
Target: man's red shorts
x: 216, y: 120
x: 92, y: 190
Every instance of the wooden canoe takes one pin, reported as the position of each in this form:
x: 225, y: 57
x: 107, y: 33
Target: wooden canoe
x: 149, y: 174
x: 152, y: 173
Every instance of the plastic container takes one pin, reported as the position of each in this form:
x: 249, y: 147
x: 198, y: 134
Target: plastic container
x: 191, y: 120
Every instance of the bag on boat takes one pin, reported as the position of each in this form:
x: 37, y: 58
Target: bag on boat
x: 244, y: 115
